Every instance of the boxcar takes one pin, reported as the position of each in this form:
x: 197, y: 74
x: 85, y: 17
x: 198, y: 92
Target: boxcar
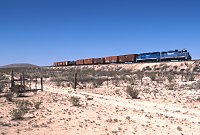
x: 131, y: 57
x: 79, y: 62
x: 122, y: 58
x: 88, y: 61
x: 114, y: 59
x: 107, y: 60
x: 99, y: 60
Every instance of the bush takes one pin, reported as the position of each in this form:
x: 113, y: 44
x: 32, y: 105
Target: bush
x: 9, y: 96
x: 18, y: 114
x: 191, y: 77
x: 23, y: 105
x: 170, y: 77
x: 198, y: 99
x: 75, y: 101
x: 37, y: 104
x: 98, y: 82
x: 170, y: 86
x: 152, y: 76
x: 198, y: 85
x: 132, y: 92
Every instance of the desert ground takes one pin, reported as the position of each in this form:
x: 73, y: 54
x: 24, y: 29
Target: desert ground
x: 124, y: 99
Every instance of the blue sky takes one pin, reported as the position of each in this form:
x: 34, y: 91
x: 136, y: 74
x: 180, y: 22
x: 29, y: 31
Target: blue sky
x: 43, y: 31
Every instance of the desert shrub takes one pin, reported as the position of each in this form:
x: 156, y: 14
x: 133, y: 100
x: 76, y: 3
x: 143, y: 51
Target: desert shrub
x: 18, y: 114
x: 132, y: 92
x: 116, y: 82
x: 98, y: 82
x: 175, y: 67
x: 110, y: 120
x: 196, y: 68
x: 170, y: 86
x: 9, y: 96
x: 163, y: 67
x: 152, y: 76
x: 117, y: 92
x: 198, y: 98
x: 132, y: 79
x: 190, y: 77
x: 179, y: 128
x: 37, y: 104
x: 75, y: 101
x: 147, y: 68
x: 24, y: 104
x: 198, y: 85
x: 140, y: 76
x: 170, y: 77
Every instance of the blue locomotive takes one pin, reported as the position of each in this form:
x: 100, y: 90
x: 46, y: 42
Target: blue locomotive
x: 164, y: 56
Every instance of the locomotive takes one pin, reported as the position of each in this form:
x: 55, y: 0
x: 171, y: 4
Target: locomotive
x: 177, y: 55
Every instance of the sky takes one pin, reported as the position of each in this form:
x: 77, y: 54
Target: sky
x: 43, y: 31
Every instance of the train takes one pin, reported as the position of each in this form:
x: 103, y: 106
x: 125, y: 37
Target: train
x: 172, y: 55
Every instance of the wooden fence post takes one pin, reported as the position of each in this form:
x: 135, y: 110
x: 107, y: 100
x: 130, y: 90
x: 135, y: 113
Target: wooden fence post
x: 36, y: 79
x: 41, y: 84
x: 75, y: 80
x: 12, y: 79
x: 107, y: 81
x: 23, y: 81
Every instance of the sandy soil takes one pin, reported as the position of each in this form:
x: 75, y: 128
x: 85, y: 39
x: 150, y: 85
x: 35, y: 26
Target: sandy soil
x: 101, y: 115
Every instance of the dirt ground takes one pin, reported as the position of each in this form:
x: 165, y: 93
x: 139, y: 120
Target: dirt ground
x: 101, y: 115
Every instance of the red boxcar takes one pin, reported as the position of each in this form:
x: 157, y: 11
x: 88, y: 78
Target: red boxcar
x: 114, y: 59
x: 131, y: 57
x: 107, y: 60
x: 88, y: 61
x: 99, y: 60
x: 122, y: 58
x: 79, y: 62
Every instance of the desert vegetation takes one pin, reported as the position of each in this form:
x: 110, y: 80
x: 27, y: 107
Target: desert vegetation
x: 108, y: 99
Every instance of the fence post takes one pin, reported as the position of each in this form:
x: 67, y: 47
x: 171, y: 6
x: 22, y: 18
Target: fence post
x: 30, y: 83
x: 107, y: 81
x: 23, y: 81
x: 41, y: 84
x: 75, y: 80
x: 12, y: 79
x: 36, y: 79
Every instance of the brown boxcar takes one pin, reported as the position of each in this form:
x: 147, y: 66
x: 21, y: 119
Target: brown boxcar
x: 131, y: 57
x: 107, y: 60
x: 64, y: 63
x: 88, y: 61
x: 58, y: 63
x: 79, y: 62
x: 122, y: 58
x: 114, y: 59
x: 99, y: 60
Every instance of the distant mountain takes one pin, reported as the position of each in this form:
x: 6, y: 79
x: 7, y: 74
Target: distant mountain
x: 20, y: 65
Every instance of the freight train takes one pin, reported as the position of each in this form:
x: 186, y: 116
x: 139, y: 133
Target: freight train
x: 178, y: 55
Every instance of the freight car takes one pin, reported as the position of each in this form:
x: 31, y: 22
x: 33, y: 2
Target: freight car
x: 131, y: 58
x: 64, y: 63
